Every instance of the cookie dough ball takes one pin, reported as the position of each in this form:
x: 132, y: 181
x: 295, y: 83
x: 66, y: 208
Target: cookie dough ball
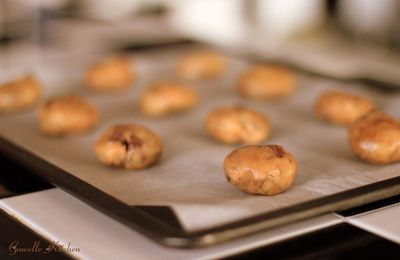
x: 201, y: 65
x: 112, y: 74
x: 375, y: 138
x: 19, y: 94
x: 66, y: 115
x: 341, y: 108
x: 266, y: 82
x: 260, y: 169
x: 128, y: 146
x: 233, y: 125
x: 167, y: 98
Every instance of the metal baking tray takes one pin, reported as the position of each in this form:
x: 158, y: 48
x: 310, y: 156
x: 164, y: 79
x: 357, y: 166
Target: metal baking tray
x: 165, y: 201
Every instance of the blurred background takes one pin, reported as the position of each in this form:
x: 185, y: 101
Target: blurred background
x: 344, y: 39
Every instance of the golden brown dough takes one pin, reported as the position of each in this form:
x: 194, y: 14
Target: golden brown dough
x: 266, y: 82
x: 167, y: 98
x: 260, y: 169
x: 19, y: 94
x: 375, y: 138
x: 128, y: 146
x: 66, y: 115
x: 201, y: 65
x: 115, y: 73
x: 341, y: 108
x: 237, y: 125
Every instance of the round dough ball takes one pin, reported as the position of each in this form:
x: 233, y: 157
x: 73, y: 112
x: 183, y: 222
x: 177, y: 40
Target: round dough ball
x: 266, y: 82
x: 19, y: 94
x: 233, y: 125
x: 375, y: 138
x: 66, y: 115
x: 115, y: 73
x: 260, y: 169
x: 128, y: 146
x: 201, y: 65
x: 167, y: 98
x: 341, y: 108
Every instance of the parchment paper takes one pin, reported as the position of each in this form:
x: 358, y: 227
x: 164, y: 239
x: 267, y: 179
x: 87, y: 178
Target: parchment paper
x: 190, y: 177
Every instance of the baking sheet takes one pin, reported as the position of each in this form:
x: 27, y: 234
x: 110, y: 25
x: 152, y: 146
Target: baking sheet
x: 190, y: 176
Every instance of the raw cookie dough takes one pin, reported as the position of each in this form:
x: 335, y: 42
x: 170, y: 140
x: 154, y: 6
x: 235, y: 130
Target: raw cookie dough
x: 201, y: 65
x: 19, y: 94
x: 375, y: 138
x: 341, y: 108
x: 128, y: 146
x: 260, y: 169
x: 115, y: 73
x: 238, y: 124
x: 66, y: 115
x: 266, y: 82
x: 167, y: 98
